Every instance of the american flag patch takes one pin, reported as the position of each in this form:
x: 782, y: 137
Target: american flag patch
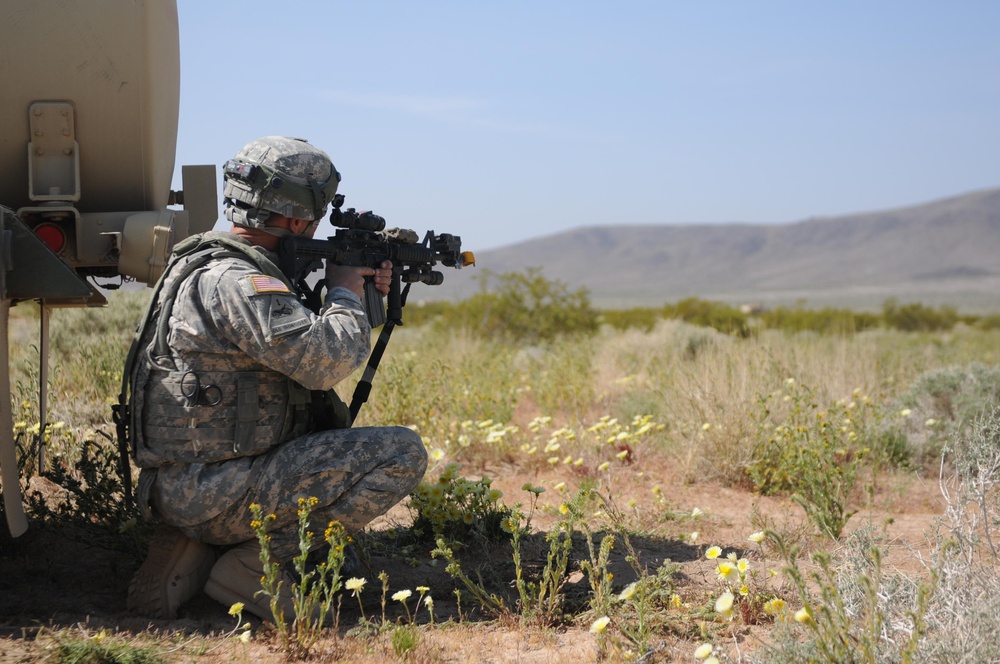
x: 265, y: 284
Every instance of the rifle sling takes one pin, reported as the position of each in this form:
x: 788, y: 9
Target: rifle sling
x: 364, y: 387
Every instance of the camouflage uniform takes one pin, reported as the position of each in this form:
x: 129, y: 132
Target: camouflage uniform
x: 225, y: 417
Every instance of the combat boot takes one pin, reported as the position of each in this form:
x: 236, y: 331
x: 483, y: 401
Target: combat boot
x: 236, y: 577
x: 175, y: 570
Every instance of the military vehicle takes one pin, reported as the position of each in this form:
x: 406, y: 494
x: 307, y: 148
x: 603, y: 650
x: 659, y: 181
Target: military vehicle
x: 88, y: 130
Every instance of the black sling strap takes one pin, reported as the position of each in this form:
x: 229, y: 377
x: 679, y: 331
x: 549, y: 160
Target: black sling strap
x: 364, y: 387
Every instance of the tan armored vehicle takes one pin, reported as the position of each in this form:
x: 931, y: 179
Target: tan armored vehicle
x: 88, y: 129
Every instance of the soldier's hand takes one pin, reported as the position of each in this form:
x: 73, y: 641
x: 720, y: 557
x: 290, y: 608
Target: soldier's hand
x: 383, y: 277
x: 353, y: 278
x: 345, y: 276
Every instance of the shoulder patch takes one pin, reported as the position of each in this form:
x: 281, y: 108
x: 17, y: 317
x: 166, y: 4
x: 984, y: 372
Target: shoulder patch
x: 261, y: 283
x: 284, y: 318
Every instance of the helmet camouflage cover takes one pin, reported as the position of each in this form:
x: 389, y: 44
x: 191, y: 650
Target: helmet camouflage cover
x: 278, y: 174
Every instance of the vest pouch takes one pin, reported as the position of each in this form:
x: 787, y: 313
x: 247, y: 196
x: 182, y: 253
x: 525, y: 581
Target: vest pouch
x: 242, y: 413
x: 247, y: 388
x: 329, y: 411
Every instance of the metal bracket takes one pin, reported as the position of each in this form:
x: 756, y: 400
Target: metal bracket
x: 53, y: 153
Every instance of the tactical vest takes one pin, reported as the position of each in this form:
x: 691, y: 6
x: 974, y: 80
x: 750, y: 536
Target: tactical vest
x: 190, y: 414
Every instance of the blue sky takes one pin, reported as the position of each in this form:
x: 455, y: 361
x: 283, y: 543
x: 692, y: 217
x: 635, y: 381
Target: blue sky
x: 504, y: 121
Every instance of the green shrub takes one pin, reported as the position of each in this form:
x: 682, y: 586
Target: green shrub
x: 314, y: 587
x: 458, y: 509
x: 824, y: 321
x: 641, y: 318
x: 943, y: 403
x: 78, y: 646
x: 523, y: 307
x: 814, y: 453
x: 722, y: 317
x: 559, y: 376
x: 852, y: 609
x: 916, y: 317
x: 963, y: 622
x: 433, y: 382
x: 859, y: 611
x: 991, y: 322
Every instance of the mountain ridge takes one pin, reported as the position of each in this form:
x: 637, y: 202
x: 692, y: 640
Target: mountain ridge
x: 941, y: 252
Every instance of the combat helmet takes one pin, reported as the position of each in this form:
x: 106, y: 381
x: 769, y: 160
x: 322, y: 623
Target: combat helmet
x: 278, y: 174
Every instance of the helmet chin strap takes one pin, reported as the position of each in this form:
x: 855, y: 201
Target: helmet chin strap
x: 241, y: 217
x: 277, y: 232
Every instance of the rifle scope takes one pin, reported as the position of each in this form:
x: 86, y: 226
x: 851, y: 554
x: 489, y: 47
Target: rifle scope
x: 351, y: 218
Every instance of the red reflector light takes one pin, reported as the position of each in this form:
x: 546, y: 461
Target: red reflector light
x: 53, y: 236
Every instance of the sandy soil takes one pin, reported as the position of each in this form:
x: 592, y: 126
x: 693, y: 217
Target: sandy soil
x: 56, y: 578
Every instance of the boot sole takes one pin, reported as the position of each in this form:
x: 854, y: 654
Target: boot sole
x: 175, y: 570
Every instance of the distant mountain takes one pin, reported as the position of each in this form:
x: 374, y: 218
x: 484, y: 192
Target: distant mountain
x: 943, y: 252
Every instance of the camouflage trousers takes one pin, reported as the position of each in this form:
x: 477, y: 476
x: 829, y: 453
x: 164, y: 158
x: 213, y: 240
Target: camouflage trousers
x: 355, y: 474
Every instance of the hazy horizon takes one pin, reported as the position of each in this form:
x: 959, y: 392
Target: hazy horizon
x: 503, y: 121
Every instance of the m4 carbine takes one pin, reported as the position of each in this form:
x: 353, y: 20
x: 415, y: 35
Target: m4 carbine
x: 361, y: 241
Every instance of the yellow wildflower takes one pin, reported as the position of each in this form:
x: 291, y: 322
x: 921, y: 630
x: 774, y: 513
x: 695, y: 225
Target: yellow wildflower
x: 724, y: 604
x: 355, y: 584
x: 600, y: 625
x: 774, y: 606
x: 703, y: 651
x: 726, y: 570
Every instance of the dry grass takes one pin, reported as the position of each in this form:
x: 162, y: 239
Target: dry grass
x: 681, y: 478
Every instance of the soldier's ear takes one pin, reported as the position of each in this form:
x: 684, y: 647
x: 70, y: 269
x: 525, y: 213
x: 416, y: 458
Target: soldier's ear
x: 298, y: 226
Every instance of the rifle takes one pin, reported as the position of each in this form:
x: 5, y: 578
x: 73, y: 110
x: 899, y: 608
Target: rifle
x: 362, y: 241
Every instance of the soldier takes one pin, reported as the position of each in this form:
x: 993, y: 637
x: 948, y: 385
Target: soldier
x: 232, y: 393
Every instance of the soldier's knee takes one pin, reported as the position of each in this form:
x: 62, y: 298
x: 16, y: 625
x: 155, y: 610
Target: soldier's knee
x: 411, y: 451
x: 415, y: 447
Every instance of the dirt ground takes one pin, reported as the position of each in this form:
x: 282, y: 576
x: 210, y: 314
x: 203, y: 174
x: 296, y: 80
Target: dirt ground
x: 60, y: 578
